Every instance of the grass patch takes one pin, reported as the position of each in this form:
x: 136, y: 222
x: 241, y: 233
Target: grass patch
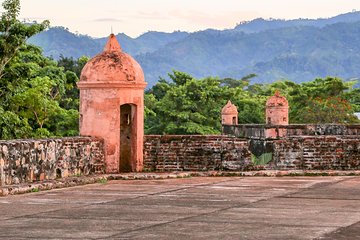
x: 261, y: 160
x: 102, y: 181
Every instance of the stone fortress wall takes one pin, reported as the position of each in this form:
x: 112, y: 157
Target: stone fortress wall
x: 196, y: 153
x: 29, y: 160
x: 315, y: 150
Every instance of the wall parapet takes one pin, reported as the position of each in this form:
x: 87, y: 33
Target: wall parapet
x: 28, y: 160
x: 317, y: 153
x: 25, y: 161
x: 195, y: 153
x: 259, y: 131
x: 229, y: 153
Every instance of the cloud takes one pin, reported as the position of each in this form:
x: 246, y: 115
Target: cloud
x: 107, y: 20
x: 155, y: 15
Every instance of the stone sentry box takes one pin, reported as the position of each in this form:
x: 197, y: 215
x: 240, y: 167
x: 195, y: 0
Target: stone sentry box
x: 229, y: 114
x: 112, y: 106
x: 277, y: 113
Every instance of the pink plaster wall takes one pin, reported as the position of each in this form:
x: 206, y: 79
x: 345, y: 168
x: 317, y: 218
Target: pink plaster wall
x: 100, y: 117
x: 228, y: 119
x: 278, y: 115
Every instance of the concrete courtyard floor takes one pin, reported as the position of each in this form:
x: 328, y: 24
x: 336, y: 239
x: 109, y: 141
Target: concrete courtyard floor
x: 189, y: 208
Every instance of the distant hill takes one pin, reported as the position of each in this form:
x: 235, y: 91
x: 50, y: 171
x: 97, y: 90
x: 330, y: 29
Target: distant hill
x: 59, y: 41
x: 146, y: 43
x: 260, y: 24
x: 299, y: 50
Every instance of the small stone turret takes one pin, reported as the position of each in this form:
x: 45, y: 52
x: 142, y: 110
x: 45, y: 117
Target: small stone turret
x: 229, y: 114
x: 277, y: 113
x: 277, y: 110
x: 112, y: 106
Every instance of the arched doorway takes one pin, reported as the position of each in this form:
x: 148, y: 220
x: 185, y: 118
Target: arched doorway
x: 127, y: 138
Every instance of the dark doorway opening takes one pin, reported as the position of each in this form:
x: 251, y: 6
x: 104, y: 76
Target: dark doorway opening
x: 234, y: 120
x: 127, y: 137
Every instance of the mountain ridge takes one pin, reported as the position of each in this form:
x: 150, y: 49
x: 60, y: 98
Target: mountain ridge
x: 299, y: 49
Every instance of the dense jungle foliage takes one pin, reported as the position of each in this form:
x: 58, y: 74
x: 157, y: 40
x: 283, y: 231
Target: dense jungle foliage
x: 37, y: 96
x: 192, y: 106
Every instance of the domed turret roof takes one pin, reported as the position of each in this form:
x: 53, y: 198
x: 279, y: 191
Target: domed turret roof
x: 277, y: 101
x: 229, y: 109
x: 112, y: 66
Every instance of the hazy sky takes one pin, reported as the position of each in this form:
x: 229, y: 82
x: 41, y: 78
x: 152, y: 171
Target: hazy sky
x: 134, y: 17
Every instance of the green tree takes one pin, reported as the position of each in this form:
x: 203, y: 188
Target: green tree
x: 353, y: 97
x: 189, y: 106
x: 37, y: 100
x: 35, y: 89
x: 327, y: 110
x: 323, y: 100
x: 243, y: 82
x: 193, y: 106
x: 326, y: 87
x: 14, y: 33
x: 32, y: 87
x: 160, y: 89
x: 73, y: 65
x: 72, y: 68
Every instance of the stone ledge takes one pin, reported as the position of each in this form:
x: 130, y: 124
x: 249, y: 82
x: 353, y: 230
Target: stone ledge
x: 83, y: 180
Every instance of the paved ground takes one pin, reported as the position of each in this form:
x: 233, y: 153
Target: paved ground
x: 191, y: 208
